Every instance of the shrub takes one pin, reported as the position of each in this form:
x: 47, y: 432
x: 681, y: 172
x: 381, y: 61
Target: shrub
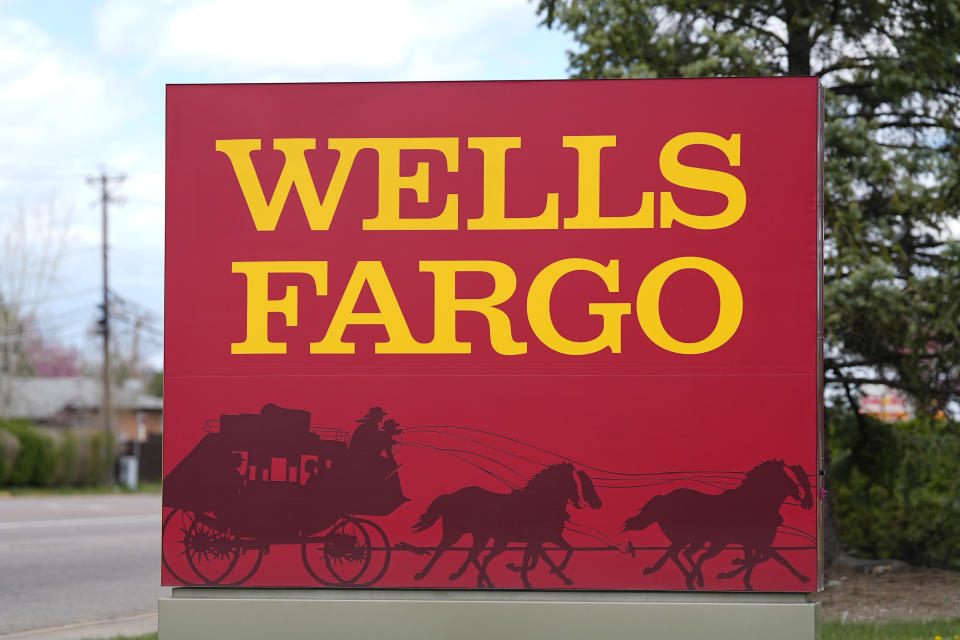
x: 36, y: 461
x: 100, y: 456
x: 897, y: 488
x: 9, y: 448
x: 94, y: 459
x: 69, y: 457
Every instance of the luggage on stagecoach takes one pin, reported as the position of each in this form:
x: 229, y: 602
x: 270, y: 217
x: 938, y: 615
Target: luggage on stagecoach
x: 274, y: 462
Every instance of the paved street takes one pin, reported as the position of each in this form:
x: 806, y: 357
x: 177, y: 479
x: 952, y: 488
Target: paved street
x: 72, y: 559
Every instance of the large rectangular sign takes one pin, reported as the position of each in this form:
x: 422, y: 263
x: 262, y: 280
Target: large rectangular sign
x: 553, y: 335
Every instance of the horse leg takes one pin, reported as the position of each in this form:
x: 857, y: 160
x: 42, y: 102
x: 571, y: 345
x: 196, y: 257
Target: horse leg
x: 733, y: 573
x: 479, y: 542
x: 525, y: 567
x: 534, y: 559
x: 540, y: 552
x: 557, y: 569
x: 561, y: 542
x: 659, y: 563
x: 689, y: 554
x: 779, y: 558
x: 528, y: 562
x: 499, y: 546
x: 673, y: 553
x: 749, y: 564
x: 741, y: 564
x: 714, y: 550
x: 446, y: 541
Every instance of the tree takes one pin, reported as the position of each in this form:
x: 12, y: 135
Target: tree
x: 134, y: 330
x: 31, y: 244
x: 892, y: 168
x: 50, y: 359
x: 155, y: 386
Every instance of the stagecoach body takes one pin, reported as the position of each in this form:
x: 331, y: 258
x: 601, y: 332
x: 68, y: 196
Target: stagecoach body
x: 267, y: 478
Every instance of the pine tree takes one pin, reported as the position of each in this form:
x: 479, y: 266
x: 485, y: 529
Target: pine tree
x: 891, y: 69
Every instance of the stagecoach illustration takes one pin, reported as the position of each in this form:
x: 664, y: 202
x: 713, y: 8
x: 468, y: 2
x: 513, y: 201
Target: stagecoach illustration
x: 270, y: 478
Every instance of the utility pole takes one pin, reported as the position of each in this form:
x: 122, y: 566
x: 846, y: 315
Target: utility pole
x: 105, y: 181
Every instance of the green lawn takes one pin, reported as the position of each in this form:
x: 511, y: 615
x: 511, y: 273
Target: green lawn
x: 150, y: 487
x: 901, y: 630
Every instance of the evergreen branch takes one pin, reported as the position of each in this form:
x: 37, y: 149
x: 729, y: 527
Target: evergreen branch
x: 853, y: 63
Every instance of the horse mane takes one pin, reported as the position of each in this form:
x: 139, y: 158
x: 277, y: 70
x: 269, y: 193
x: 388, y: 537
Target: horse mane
x: 546, y: 474
x: 762, y: 472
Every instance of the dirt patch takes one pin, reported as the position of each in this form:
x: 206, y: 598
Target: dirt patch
x: 883, y: 594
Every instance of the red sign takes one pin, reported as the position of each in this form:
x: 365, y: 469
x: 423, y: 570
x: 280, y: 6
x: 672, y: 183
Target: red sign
x: 493, y: 334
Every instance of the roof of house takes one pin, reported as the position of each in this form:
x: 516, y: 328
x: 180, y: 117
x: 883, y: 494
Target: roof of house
x: 44, y: 398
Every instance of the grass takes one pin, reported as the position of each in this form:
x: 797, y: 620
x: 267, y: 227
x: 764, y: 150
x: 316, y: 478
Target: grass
x: 947, y: 629
x: 147, y: 487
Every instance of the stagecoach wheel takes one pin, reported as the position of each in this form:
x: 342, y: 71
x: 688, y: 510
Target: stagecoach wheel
x: 211, y: 552
x: 250, y: 557
x: 344, y: 551
x: 175, y: 527
x: 379, y: 554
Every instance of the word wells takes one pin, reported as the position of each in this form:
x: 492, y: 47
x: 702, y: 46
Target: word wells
x: 371, y: 275
x: 320, y: 208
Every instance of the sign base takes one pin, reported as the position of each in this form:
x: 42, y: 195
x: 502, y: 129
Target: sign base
x: 294, y: 614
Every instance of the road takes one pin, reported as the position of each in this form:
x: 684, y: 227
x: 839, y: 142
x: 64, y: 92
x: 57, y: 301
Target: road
x: 72, y: 559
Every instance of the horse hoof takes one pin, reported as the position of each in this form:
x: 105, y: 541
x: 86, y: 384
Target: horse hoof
x: 749, y: 587
x: 454, y: 576
x: 567, y: 581
x: 513, y: 567
x: 419, y: 575
x: 648, y: 570
x: 804, y: 579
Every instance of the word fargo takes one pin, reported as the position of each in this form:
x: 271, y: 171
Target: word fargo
x: 543, y: 335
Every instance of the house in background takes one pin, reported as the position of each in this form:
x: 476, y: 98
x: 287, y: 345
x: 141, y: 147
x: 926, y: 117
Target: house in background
x: 74, y: 403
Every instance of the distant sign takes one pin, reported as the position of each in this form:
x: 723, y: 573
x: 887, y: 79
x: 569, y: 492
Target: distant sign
x: 497, y: 334
x: 884, y: 403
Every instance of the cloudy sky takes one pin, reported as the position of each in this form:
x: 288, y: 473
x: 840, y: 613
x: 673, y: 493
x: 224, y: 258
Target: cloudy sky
x: 82, y: 88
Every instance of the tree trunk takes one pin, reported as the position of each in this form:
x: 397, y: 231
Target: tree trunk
x: 799, y: 44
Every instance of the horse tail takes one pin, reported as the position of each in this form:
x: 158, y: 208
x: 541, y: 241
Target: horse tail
x: 589, y: 491
x: 649, y: 514
x: 431, y: 515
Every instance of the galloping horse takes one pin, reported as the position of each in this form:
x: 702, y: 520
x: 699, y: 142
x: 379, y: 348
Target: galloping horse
x: 534, y: 515
x: 748, y: 515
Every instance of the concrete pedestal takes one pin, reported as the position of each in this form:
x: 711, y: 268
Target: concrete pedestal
x: 293, y: 614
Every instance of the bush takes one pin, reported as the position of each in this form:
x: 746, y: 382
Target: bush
x: 99, y: 464
x: 897, y: 488
x: 36, y: 461
x: 68, y: 453
x: 9, y: 449
x: 34, y: 457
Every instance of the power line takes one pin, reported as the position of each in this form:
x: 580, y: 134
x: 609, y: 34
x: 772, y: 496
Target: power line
x: 58, y: 296
x: 48, y: 320
x: 61, y: 329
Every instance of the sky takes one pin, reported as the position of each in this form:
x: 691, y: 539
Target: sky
x: 82, y: 87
